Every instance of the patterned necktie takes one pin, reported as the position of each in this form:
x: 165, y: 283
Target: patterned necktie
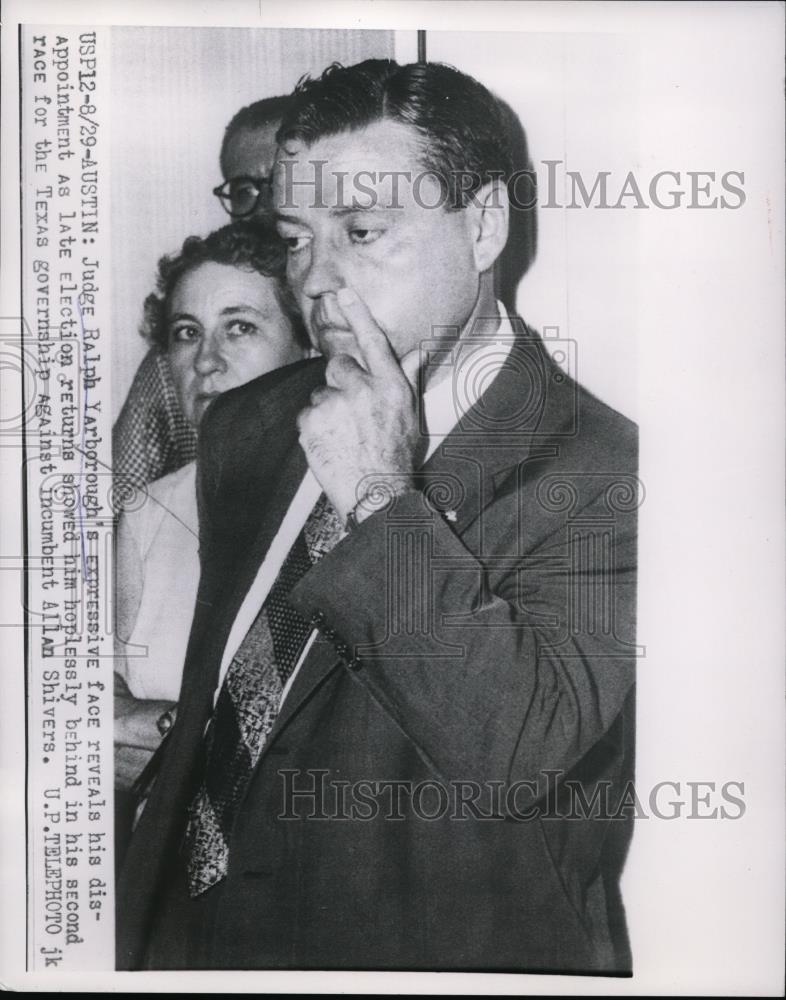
x: 248, y: 703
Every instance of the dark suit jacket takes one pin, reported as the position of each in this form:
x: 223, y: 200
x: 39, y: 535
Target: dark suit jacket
x: 476, y: 646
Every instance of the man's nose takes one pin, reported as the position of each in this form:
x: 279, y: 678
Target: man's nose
x: 208, y: 358
x: 324, y: 272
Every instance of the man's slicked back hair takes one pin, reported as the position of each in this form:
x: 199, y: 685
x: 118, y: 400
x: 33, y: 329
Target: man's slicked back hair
x: 462, y: 128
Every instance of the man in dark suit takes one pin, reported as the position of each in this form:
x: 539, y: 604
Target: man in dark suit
x: 405, y: 730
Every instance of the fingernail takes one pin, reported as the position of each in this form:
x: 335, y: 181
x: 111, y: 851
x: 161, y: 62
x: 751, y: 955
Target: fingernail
x: 346, y: 297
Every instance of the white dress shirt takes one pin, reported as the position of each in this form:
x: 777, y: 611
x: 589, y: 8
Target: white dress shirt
x: 445, y: 402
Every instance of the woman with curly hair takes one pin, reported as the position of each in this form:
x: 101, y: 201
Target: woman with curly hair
x: 221, y: 315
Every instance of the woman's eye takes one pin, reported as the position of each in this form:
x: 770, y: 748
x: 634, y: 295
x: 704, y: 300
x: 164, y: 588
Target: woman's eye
x: 240, y: 328
x: 296, y: 243
x: 364, y: 236
x: 184, y: 334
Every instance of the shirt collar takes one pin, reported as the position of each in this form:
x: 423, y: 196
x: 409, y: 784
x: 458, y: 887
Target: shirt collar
x: 474, y: 360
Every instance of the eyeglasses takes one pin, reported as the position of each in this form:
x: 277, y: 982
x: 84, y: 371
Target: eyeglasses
x: 241, y: 196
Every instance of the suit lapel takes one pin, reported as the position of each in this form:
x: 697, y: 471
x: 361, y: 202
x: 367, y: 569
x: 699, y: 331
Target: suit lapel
x: 265, y: 439
x: 289, y: 479
x: 514, y: 420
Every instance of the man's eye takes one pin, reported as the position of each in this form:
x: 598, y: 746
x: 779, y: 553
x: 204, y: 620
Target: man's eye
x: 241, y: 328
x: 242, y: 189
x: 184, y: 334
x: 364, y: 236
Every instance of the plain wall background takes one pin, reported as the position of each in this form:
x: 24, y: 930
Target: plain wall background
x: 576, y: 97
x: 678, y: 319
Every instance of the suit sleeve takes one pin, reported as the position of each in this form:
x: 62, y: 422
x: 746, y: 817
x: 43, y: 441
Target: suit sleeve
x: 497, y: 666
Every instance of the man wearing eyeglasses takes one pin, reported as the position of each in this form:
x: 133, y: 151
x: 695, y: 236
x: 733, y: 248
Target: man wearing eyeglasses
x: 247, y: 154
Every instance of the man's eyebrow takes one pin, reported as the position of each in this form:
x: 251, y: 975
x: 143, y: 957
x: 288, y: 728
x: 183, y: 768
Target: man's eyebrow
x: 334, y: 212
x: 354, y: 209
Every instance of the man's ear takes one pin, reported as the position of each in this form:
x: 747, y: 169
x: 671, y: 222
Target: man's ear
x: 488, y: 214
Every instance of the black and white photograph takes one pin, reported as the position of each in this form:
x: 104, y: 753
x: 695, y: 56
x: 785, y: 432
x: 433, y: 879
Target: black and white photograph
x: 392, y: 446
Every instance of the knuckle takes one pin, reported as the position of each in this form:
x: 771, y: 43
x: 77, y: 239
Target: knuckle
x: 342, y: 366
x: 335, y: 367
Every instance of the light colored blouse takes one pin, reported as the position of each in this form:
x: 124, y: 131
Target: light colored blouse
x: 157, y: 578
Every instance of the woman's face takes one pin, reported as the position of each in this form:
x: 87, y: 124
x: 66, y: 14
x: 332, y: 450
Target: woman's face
x: 224, y: 327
